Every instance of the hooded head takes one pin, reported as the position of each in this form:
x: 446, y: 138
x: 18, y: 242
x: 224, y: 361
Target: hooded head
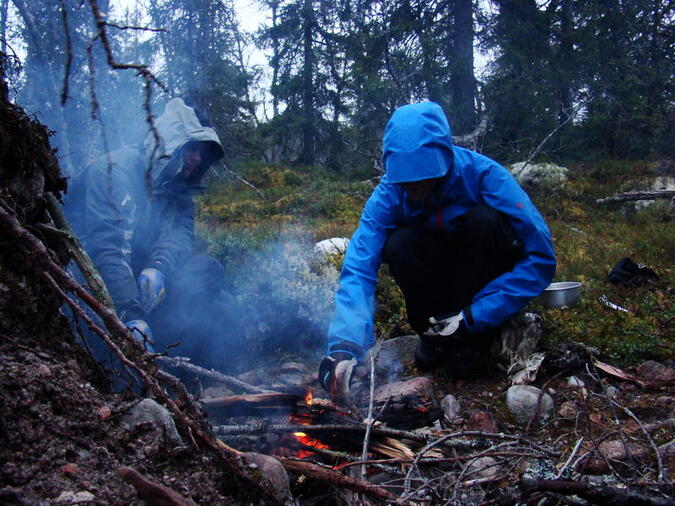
x: 417, y: 144
x: 180, y: 130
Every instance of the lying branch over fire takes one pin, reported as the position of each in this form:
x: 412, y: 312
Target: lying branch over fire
x: 185, y: 364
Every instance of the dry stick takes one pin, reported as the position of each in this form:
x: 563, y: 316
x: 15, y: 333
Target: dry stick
x: 224, y: 430
x: 46, y: 267
x: 567, y: 463
x: 541, y: 145
x: 438, y: 460
x: 618, y: 423
x: 184, y: 363
x: 69, y: 54
x: 334, y: 478
x: 471, y: 433
x: 84, y: 262
x: 369, y: 419
x: 659, y: 462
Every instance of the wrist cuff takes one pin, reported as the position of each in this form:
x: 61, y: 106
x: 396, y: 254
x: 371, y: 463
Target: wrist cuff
x: 350, y: 349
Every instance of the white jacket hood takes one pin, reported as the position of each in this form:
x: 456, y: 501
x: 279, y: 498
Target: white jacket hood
x: 177, y: 126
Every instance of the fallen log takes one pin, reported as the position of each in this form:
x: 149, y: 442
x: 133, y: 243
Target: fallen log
x: 638, y: 195
x: 596, y: 495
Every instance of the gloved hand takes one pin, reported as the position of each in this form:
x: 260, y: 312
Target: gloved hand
x: 335, y: 374
x: 142, y: 332
x: 446, y: 328
x: 151, y: 285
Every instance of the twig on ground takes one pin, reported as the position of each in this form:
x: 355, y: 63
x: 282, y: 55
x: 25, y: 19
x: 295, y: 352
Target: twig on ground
x: 569, y: 459
x: 371, y: 400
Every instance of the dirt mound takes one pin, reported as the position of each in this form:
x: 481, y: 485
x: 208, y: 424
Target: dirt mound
x: 60, y: 438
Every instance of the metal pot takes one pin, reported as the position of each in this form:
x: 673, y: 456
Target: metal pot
x: 561, y: 294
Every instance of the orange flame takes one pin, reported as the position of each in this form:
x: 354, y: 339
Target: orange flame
x: 309, y: 397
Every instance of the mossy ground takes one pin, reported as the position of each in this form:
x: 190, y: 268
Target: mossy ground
x: 308, y: 205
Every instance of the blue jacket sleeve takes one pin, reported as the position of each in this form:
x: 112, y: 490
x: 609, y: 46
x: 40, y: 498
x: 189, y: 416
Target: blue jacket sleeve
x: 507, y: 294
x: 355, y: 299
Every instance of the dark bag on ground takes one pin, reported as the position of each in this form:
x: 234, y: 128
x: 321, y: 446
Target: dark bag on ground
x: 628, y: 273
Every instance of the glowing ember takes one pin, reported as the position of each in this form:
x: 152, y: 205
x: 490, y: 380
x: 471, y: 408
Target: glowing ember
x: 309, y: 397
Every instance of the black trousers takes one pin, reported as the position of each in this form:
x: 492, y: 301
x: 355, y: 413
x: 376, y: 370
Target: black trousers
x: 439, y: 272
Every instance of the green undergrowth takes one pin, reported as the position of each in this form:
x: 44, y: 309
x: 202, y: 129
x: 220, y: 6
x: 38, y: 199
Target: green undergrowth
x: 303, y: 206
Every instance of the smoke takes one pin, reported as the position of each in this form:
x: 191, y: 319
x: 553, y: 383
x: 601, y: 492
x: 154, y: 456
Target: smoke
x: 283, y: 296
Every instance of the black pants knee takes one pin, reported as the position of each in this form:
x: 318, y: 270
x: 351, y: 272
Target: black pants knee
x: 440, y: 272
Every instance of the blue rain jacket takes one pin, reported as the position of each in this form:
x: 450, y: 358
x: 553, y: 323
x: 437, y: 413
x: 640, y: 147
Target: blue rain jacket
x: 123, y: 228
x: 417, y: 145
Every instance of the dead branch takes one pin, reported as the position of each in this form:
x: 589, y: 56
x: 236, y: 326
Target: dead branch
x: 569, y: 459
x: 637, y: 195
x: 471, y: 140
x: 595, y: 495
x: 87, y: 267
x: 440, y: 460
x: 185, y: 364
x: 338, y: 480
x: 371, y: 400
x: 614, y: 405
x: 151, y: 492
x: 226, y: 430
x: 69, y: 53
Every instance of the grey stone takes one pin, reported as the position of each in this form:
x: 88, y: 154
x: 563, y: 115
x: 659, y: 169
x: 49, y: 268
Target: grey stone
x: 613, y: 451
x: 655, y: 372
x: 521, y: 401
x: 394, y: 354
x: 451, y: 407
x: 574, y: 382
x: 150, y: 411
x: 539, y: 174
x: 271, y: 473
x: 483, y: 467
x: 613, y: 392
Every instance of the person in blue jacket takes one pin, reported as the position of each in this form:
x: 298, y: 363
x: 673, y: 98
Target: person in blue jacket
x: 462, y: 240
x: 138, y: 228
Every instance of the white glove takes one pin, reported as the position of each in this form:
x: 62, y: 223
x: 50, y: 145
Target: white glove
x: 445, y: 327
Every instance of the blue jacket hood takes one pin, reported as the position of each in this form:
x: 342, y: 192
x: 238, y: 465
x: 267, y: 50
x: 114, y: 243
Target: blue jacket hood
x: 417, y: 144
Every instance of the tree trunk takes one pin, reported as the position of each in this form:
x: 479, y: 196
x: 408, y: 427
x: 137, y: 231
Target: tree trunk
x: 307, y: 156
x: 463, y: 80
